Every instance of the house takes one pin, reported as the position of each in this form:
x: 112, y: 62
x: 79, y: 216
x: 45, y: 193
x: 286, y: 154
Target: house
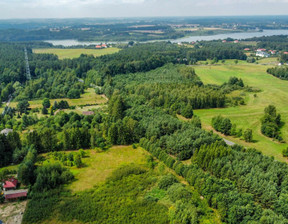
x: 261, y: 49
x: 98, y: 47
x: 262, y: 54
x: 236, y: 41
x: 272, y: 52
x: 10, y: 184
x: 285, y: 52
x: 6, y: 131
x: 224, y: 41
x: 104, y: 46
x: 247, y: 49
x: 12, y: 195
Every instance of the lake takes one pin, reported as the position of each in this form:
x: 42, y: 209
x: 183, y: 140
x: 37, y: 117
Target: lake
x: 243, y: 35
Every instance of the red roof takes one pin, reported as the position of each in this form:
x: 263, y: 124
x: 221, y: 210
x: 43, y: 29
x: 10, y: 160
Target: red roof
x: 98, y: 46
x: 11, y: 183
x: 247, y: 49
x: 104, y: 45
x: 285, y: 52
x: 16, y: 195
x: 88, y: 113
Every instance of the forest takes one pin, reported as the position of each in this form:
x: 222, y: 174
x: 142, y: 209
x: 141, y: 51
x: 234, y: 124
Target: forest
x: 190, y: 175
x: 135, y: 29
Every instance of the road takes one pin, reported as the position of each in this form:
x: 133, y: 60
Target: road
x: 228, y: 142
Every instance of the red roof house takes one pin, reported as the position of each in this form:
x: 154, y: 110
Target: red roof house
x: 286, y: 52
x: 10, y: 184
x: 98, y: 47
x: 247, y: 49
x: 104, y: 45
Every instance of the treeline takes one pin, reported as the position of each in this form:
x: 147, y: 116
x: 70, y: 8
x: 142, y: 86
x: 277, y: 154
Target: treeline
x: 50, y: 78
x: 225, y: 126
x: 235, y: 204
x: 279, y: 72
x: 277, y: 42
x: 174, y: 88
x: 54, y: 78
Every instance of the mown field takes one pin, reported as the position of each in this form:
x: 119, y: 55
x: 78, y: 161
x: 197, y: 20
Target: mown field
x: 75, y: 53
x: 273, y: 91
x: 100, y: 165
x: 89, y: 97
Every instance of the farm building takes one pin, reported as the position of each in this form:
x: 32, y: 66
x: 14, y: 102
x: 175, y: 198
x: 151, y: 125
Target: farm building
x: 10, y: 184
x: 6, y: 131
x: 12, y: 195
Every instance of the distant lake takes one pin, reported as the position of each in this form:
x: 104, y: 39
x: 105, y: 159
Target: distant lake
x: 243, y: 35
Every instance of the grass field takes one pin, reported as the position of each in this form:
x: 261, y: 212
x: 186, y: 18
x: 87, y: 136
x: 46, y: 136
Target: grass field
x: 274, y: 91
x: 89, y: 97
x: 100, y: 165
x: 75, y: 53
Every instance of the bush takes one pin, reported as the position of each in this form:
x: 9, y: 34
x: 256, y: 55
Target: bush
x: 178, y: 192
x: 248, y: 135
x: 73, y: 94
x: 166, y: 181
x: 285, y: 152
x: 126, y: 171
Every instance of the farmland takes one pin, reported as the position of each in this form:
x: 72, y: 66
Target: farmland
x: 75, y: 53
x: 273, y: 91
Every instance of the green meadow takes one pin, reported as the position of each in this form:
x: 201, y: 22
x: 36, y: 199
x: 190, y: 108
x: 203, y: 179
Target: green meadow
x: 75, y: 53
x: 273, y: 91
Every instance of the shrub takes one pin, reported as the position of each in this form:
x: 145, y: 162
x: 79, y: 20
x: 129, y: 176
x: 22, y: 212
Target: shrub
x: 285, y: 152
x: 126, y: 171
x: 166, y: 181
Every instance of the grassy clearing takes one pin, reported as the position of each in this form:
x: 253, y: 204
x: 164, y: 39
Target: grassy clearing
x: 100, y: 165
x: 75, y: 53
x: 274, y: 91
x: 12, y: 167
x: 89, y: 97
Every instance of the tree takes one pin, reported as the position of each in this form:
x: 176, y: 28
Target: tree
x: 226, y: 126
x: 26, y: 173
x: 22, y: 106
x: 187, y: 112
x: 73, y: 94
x: 116, y: 107
x: 77, y: 160
x: 285, y: 152
x: 46, y: 103
x: 248, y: 135
x: 44, y: 110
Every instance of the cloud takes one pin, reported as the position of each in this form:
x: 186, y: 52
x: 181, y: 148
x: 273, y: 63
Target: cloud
x: 136, y: 8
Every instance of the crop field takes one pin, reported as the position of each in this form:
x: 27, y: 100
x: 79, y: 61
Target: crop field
x: 75, y: 53
x: 273, y: 91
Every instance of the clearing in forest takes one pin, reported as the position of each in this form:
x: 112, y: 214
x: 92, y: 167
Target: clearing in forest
x: 75, y: 53
x: 273, y: 91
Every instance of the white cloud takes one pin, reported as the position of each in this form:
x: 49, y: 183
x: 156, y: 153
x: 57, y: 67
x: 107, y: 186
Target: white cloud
x: 124, y: 8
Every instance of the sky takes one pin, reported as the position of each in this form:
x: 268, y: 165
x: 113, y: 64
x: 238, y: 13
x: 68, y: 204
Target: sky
x: 10, y: 9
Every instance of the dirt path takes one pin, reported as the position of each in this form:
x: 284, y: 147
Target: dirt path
x: 12, y: 212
